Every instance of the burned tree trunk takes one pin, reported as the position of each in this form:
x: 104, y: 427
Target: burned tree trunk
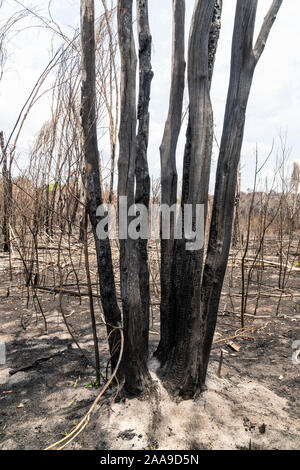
x: 94, y: 196
x: 173, y: 252
x: 134, y: 364
x: 142, y: 194
x: 180, y: 360
x: 182, y: 367
x: 196, y: 304
x: 169, y: 177
x: 243, y: 63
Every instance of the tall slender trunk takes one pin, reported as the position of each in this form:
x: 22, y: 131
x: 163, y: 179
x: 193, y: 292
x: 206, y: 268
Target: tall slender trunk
x: 94, y: 196
x: 142, y: 193
x: 134, y: 364
x: 169, y: 177
x: 243, y: 63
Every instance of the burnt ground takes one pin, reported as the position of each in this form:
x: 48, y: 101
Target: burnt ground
x: 42, y: 403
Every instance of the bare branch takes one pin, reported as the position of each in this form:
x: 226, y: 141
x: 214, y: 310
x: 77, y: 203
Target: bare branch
x: 266, y: 28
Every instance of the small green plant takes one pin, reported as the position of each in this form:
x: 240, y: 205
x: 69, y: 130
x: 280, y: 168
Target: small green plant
x: 76, y: 382
x: 92, y: 384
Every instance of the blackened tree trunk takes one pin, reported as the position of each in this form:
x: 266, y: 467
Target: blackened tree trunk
x: 142, y: 194
x: 243, y: 63
x: 183, y: 364
x: 169, y: 178
x: 180, y: 354
x: 94, y: 196
x: 134, y: 363
x: 194, y: 312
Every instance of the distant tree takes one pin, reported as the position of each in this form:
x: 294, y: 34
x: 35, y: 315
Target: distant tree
x: 295, y: 179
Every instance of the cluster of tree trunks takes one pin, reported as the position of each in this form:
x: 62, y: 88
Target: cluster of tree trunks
x: 191, y: 281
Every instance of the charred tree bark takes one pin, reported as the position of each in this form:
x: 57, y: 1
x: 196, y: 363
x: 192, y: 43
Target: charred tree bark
x: 180, y: 359
x: 94, y: 196
x: 173, y: 252
x: 212, y: 49
x: 243, y: 63
x: 142, y: 194
x: 182, y: 367
x: 169, y: 177
x: 134, y: 363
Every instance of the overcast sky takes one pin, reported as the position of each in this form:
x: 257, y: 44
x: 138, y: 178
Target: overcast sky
x: 274, y: 105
